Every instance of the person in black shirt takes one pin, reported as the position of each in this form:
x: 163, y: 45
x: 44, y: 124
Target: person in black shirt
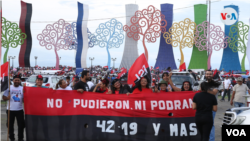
x: 82, y: 85
x: 204, y: 103
x: 117, y: 88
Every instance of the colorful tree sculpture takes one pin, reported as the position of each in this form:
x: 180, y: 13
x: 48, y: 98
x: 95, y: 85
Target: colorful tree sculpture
x: 53, y: 37
x: 109, y: 35
x: 238, y: 42
x: 71, y: 37
x: 210, y: 37
x: 12, y: 36
x: 181, y: 35
x: 149, y: 23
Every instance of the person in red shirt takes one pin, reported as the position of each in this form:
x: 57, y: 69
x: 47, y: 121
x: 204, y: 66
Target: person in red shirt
x: 142, y: 87
x: 102, y: 87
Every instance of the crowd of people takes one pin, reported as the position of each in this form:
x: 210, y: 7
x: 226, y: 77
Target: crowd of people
x: 204, y: 101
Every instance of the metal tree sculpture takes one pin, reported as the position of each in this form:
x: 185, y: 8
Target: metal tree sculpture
x: 238, y: 42
x: 109, y: 35
x: 209, y: 37
x: 181, y: 34
x: 12, y: 36
x: 53, y: 37
x: 149, y: 23
x: 71, y: 37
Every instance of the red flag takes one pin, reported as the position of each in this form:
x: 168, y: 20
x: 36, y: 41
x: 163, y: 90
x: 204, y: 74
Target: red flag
x: 138, y: 70
x: 183, y: 66
x: 106, y: 67
x: 0, y: 32
x: 112, y: 71
x: 157, y: 68
x: 247, y: 72
x: 123, y: 68
x: 4, y: 76
x: 215, y: 72
x: 122, y: 73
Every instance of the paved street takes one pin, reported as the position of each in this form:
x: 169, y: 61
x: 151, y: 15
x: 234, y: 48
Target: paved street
x: 222, y: 107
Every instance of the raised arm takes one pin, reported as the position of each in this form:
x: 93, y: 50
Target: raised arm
x: 176, y: 89
x: 97, y: 85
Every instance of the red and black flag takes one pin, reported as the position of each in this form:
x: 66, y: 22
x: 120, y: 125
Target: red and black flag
x: 122, y: 73
x: 138, y: 70
x: 4, y: 76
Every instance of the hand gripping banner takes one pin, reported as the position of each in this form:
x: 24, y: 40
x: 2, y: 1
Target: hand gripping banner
x: 58, y: 115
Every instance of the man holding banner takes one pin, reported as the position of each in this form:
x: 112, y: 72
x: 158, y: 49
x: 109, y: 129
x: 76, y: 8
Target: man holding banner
x: 16, y: 108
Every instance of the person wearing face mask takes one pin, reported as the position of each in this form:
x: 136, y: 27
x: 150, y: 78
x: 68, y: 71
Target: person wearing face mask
x: 117, y: 88
x: 62, y: 85
x: 142, y: 87
x: 102, y: 87
x: 186, y: 85
x: 16, y: 108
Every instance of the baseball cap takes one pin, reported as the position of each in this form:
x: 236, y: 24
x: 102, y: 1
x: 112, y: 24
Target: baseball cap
x: 39, y: 77
x: 163, y: 82
x: 239, y: 79
x: 17, y: 76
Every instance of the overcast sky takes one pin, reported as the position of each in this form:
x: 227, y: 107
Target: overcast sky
x: 49, y: 11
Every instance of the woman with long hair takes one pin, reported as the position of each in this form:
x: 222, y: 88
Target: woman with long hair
x: 143, y: 86
x: 186, y: 85
x: 102, y: 87
x: 62, y: 85
x: 117, y: 88
x: 204, y: 103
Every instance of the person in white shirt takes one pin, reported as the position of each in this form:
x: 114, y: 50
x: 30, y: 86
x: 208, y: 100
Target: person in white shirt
x: 16, y: 108
x: 62, y: 85
x: 222, y: 72
x: 227, y: 88
x: 90, y: 83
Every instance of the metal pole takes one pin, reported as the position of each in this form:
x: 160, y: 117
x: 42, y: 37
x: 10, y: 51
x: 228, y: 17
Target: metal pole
x: 9, y: 102
x: 36, y: 60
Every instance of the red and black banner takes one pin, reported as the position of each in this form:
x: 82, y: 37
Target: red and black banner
x: 58, y: 115
x: 24, y: 54
x: 4, y: 76
x: 138, y: 70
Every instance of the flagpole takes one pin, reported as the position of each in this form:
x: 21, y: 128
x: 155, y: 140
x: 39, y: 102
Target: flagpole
x: 9, y: 99
x: 0, y: 31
